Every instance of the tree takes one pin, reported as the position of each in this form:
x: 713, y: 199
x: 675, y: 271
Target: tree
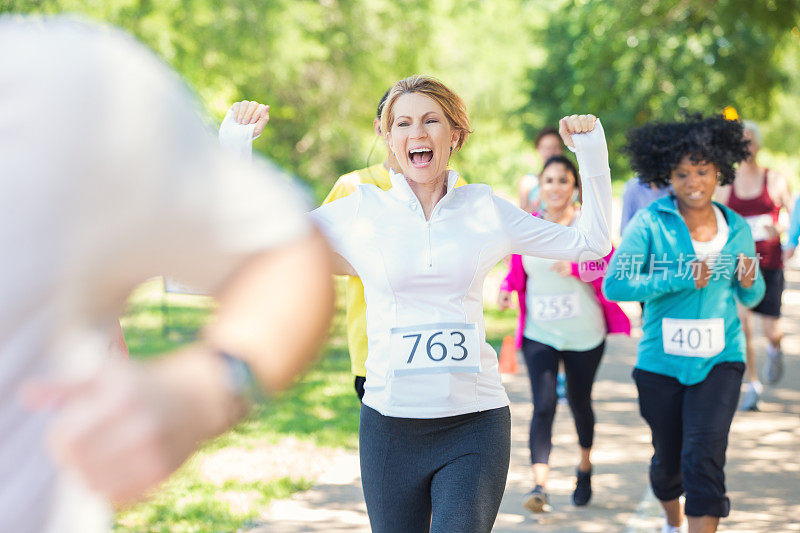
x: 634, y: 62
x: 323, y: 65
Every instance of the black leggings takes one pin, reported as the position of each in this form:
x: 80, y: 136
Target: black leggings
x: 437, y: 474
x: 580, y: 368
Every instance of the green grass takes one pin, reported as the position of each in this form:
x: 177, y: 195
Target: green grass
x: 321, y: 408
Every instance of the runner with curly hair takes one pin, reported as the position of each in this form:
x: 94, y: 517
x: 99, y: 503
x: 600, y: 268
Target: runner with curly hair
x: 690, y: 259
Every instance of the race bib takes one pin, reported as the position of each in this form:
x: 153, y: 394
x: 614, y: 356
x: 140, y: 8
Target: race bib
x: 435, y: 348
x: 693, y: 338
x: 758, y: 226
x: 556, y: 307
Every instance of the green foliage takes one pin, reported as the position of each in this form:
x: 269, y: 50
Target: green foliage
x: 188, y: 504
x: 634, y: 62
x: 323, y: 65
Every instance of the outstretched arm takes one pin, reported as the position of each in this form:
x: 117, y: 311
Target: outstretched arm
x: 591, y: 239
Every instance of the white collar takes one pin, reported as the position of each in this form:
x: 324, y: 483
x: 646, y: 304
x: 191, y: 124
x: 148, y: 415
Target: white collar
x: 401, y: 187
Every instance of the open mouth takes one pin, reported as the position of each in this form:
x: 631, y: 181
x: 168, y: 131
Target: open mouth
x: 696, y: 195
x: 420, y: 157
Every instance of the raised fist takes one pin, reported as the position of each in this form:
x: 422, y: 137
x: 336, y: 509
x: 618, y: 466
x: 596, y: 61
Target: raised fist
x: 574, y: 124
x: 246, y: 112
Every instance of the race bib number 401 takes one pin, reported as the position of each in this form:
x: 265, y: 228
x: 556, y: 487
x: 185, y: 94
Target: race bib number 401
x: 693, y: 338
x: 556, y: 307
x: 435, y: 348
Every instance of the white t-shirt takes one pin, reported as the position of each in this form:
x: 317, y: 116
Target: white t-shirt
x: 109, y: 176
x: 708, y: 251
x: 423, y: 280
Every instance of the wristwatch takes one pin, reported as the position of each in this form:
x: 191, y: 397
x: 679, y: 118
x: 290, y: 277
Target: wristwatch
x: 242, y: 382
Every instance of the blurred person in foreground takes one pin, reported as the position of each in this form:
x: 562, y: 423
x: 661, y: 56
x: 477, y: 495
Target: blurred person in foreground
x: 110, y: 177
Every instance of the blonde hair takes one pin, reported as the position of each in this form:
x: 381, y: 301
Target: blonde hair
x: 452, y: 104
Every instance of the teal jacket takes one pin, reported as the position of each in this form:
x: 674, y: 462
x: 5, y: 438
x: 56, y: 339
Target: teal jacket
x: 651, y: 265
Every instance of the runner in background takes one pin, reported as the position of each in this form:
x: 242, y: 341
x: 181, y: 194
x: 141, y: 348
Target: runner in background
x: 564, y: 318
x: 132, y: 185
x: 548, y: 143
x: 377, y: 175
x: 759, y: 194
x: 690, y: 260
x: 636, y: 196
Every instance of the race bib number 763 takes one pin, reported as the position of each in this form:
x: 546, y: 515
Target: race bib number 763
x: 443, y: 347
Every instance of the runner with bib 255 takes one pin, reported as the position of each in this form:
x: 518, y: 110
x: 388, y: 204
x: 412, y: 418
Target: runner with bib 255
x: 690, y: 260
x: 563, y: 318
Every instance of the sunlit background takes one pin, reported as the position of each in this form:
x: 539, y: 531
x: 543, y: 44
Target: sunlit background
x: 322, y: 65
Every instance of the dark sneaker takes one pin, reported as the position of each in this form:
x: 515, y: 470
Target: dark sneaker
x: 537, y: 501
x: 773, y: 367
x: 583, y: 488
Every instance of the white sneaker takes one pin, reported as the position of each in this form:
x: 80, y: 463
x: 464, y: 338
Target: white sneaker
x: 751, y: 395
x: 667, y: 528
x: 773, y: 366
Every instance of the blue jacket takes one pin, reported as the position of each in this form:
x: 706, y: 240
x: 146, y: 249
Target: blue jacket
x: 794, y: 227
x: 651, y: 265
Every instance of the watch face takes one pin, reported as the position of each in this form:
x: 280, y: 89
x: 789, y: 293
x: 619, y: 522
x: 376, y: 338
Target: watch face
x: 241, y: 380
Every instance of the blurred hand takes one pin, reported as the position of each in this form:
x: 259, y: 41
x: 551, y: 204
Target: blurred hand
x: 788, y: 254
x: 504, y: 300
x: 575, y: 124
x: 746, y: 271
x: 562, y: 267
x: 701, y: 273
x: 129, y: 427
x: 246, y: 112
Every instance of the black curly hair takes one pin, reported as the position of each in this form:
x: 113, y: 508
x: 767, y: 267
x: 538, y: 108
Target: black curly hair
x: 657, y: 148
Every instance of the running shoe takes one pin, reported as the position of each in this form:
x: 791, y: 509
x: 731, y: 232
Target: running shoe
x: 751, y: 396
x: 773, y: 367
x: 666, y: 528
x: 537, y: 501
x: 583, y: 488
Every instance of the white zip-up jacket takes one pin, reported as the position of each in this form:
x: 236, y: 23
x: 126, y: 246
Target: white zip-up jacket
x: 423, y: 280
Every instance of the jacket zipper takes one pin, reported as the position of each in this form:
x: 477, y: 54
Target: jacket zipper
x: 430, y: 257
x: 700, y: 304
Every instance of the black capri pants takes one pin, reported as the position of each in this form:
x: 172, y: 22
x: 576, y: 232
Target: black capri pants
x: 580, y: 369
x: 690, y: 426
x: 438, y: 474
